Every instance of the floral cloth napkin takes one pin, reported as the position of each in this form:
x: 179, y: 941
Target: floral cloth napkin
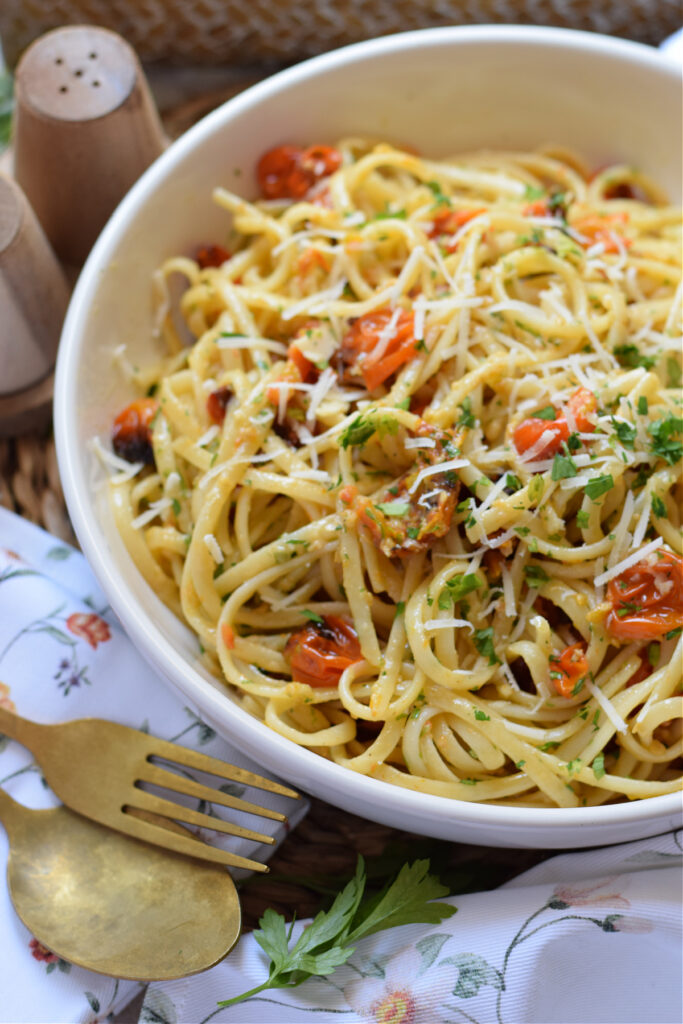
x: 63, y: 655
x: 580, y: 939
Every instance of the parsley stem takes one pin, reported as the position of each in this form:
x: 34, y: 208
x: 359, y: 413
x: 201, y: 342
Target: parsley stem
x: 252, y: 992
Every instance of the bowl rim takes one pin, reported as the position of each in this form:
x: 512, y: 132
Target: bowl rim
x: 284, y: 757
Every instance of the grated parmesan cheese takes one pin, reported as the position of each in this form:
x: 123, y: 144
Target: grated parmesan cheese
x: 632, y: 559
x: 213, y: 547
x: 606, y: 705
x: 155, y: 508
x: 449, y: 624
x: 441, y: 467
x: 126, y: 470
x: 326, y: 380
x: 208, y: 437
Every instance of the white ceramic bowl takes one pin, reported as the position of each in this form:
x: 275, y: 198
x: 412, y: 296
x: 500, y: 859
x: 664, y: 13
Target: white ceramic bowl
x: 444, y: 91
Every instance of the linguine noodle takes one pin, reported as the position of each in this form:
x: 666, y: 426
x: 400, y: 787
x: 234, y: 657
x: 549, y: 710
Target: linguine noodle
x: 428, y: 439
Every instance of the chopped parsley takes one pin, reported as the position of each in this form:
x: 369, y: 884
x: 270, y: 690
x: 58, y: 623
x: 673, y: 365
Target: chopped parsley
x: 461, y: 585
x: 626, y: 433
x: 308, y: 614
x: 582, y: 518
x: 483, y: 641
x: 598, y: 766
x: 548, y: 412
x: 643, y: 407
x: 535, y: 575
x: 466, y: 419
x: 631, y: 356
x: 481, y: 716
x: 563, y: 467
x: 658, y: 507
x: 513, y: 482
x: 360, y: 430
x: 394, y: 508
x: 599, y: 485
x: 662, y: 432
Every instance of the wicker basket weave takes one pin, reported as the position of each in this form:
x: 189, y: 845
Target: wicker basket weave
x: 257, y: 31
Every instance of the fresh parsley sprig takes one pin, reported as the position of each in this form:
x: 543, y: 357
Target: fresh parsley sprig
x: 328, y: 941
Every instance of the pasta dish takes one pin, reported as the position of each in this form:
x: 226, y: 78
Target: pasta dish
x: 416, y: 483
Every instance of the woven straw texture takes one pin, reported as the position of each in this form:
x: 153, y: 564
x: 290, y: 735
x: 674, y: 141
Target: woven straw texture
x: 257, y: 31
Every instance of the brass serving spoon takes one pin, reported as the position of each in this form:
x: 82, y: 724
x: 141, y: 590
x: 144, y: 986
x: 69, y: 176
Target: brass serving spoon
x: 114, y: 904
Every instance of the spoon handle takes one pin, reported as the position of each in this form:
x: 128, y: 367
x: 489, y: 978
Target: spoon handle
x: 21, y: 729
x: 11, y: 813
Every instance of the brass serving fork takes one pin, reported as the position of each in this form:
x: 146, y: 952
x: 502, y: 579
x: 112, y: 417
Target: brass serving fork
x: 96, y: 767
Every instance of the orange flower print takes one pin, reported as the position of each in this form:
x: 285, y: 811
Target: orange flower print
x: 89, y: 627
x: 39, y: 952
x: 596, y: 895
x: 5, y: 701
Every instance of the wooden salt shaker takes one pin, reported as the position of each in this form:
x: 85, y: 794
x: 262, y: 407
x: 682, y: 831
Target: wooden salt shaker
x: 85, y: 129
x: 33, y: 300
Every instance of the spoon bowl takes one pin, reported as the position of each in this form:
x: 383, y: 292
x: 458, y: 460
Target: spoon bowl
x: 113, y: 904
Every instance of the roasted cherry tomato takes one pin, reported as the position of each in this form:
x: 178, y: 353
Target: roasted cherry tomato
x: 582, y: 406
x: 405, y: 519
x: 603, y: 228
x: 212, y: 256
x: 288, y: 172
x: 375, y: 350
x: 217, y: 402
x: 447, y: 222
x: 322, y: 650
x: 569, y: 668
x: 131, y: 434
x: 647, y: 598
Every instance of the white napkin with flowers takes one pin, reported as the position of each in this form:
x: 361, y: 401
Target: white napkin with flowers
x: 584, y: 937
x: 63, y: 655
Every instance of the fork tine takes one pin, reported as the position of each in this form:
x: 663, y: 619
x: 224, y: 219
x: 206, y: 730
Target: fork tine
x: 161, y: 836
x: 169, y: 809
x: 204, y: 763
x: 159, y: 776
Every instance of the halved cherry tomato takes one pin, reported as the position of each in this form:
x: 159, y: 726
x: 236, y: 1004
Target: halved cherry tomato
x: 539, y: 208
x: 288, y: 172
x: 447, y: 222
x: 131, y: 432
x: 601, y: 228
x: 582, y: 406
x: 216, y: 403
x: 310, y: 259
x: 647, y: 598
x: 212, y: 256
x: 643, y: 671
x: 367, y: 353
x: 321, y: 651
x: 402, y: 521
x: 569, y: 668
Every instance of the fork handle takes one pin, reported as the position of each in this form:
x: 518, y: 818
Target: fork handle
x: 21, y: 729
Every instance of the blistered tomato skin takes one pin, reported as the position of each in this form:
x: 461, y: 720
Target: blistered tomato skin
x: 568, y: 669
x: 647, y: 599
x: 581, y: 407
x: 217, y: 402
x: 319, y: 653
x: 131, y: 433
x: 288, y: 172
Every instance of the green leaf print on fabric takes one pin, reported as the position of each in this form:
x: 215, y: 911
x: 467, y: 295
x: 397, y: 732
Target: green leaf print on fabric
x: 473, y: 973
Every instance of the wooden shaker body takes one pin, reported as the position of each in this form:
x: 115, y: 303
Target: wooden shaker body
x: 85, y: 129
